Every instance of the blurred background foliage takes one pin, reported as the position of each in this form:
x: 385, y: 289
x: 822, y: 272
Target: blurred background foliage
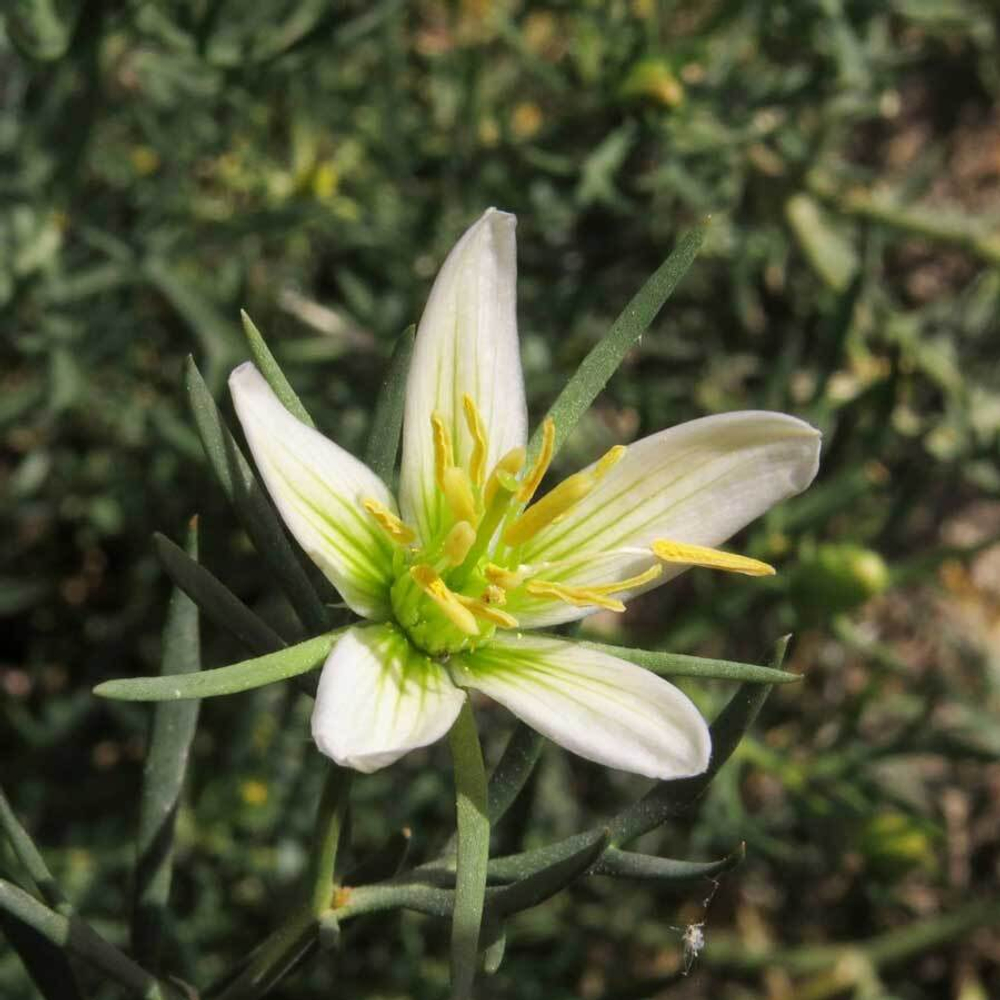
x: 163, y: 164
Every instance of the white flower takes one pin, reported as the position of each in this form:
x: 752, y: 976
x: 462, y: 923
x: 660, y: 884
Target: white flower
x: 451, y: 576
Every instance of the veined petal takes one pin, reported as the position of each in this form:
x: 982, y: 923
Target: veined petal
x: 319, y: 490
x: 697, y: 483
x: 466, y: 345
x: 379, y: 698
x: 596, y: 705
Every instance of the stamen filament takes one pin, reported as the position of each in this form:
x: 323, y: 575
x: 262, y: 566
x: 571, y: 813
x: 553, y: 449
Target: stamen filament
x: 496, y: 500
x: 477, y: 460
x: 639, y: 580
x: 443, y: 454
x: 534, y: 478
x: 699, y: 555
x: 458, y: 492
x: 509, y: 465
x: 558, y: 502
x: 392, y: 525
x: 598, y: 594
x: 437, y: 590
x: 579, y: 597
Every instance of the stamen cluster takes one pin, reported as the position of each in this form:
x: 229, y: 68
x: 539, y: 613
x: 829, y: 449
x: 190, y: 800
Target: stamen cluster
x: 450, y: 590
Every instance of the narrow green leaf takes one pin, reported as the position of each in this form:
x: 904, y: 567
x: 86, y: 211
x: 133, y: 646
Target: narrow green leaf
x: 172, y: 731
x: 329, y: 825
x: 513, y: 769
x: 274, y: 958
x: 383, y: 440
x: 473, y: 851
x: 669, y: 798
x: 251, y: 503
x: 417, y: 896
x: 494, y: 951
x: 605, y: 357
x: 627, y: 864
x: 269, y: 368
x: 45, y: 963
x: 679, y: 665
x: 30, y: 856
x: 77, y: 937
x: 215, y: 599
x: 546, y: 882
x: 224, y: 680
x: 42, y: 29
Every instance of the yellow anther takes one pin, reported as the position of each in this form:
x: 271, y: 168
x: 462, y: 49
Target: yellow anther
x: 483, y: 611
x: 494, y: 595
x: 437, y: 590
x: 458, y: 492
x: 699, y: 555
x: 609, y: 460
x: 458, y: 541
x: 443, y: 454
x: 477, y: 460
x: 558, y: 502
x: 554, y: 504
x: 507, y: 579
x: 393, y: 526
x: 509, y: 465
x: 579, y: 597
x: 534, y: 478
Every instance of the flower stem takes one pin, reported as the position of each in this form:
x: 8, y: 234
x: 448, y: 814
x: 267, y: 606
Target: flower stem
x: 329, y: 824
x: 473, y: 851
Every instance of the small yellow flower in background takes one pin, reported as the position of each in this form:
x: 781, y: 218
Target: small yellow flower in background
x: 325, y: 180
x: 471, y: 554
x: 144, y: 159
x: 254, y: 792
x: 526, y: 120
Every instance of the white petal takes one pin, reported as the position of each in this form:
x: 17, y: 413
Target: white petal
x: 318, y: 489
x: 379, y: 698
x: 596, y: 705
x: 698, y: 483
x: 466, y: 343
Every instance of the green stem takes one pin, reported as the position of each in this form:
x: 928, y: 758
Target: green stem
x: 73, y: 935
x: 29, y: 856
x: 329, y: 824
x: 473, y: 851
x: 274, y: 957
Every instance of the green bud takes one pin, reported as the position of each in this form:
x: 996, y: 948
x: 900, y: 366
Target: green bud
x: 836, y: 577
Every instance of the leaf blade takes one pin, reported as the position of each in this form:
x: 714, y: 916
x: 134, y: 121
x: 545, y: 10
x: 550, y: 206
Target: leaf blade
x: 605, y: 357
x: 631, y: 865
x: 171, y: 733
x: 232, y: 679
x: 473, y: 852
x: 387, y: 423
x: 215, y: 599
x: 681, y: 665
x: 244, y: 492
x: 269, y: 368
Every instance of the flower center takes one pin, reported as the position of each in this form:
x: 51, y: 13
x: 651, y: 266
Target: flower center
x: 450, y: 590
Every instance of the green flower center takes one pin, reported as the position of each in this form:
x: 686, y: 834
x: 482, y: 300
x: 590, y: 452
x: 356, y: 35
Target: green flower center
x: 450, y: 593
